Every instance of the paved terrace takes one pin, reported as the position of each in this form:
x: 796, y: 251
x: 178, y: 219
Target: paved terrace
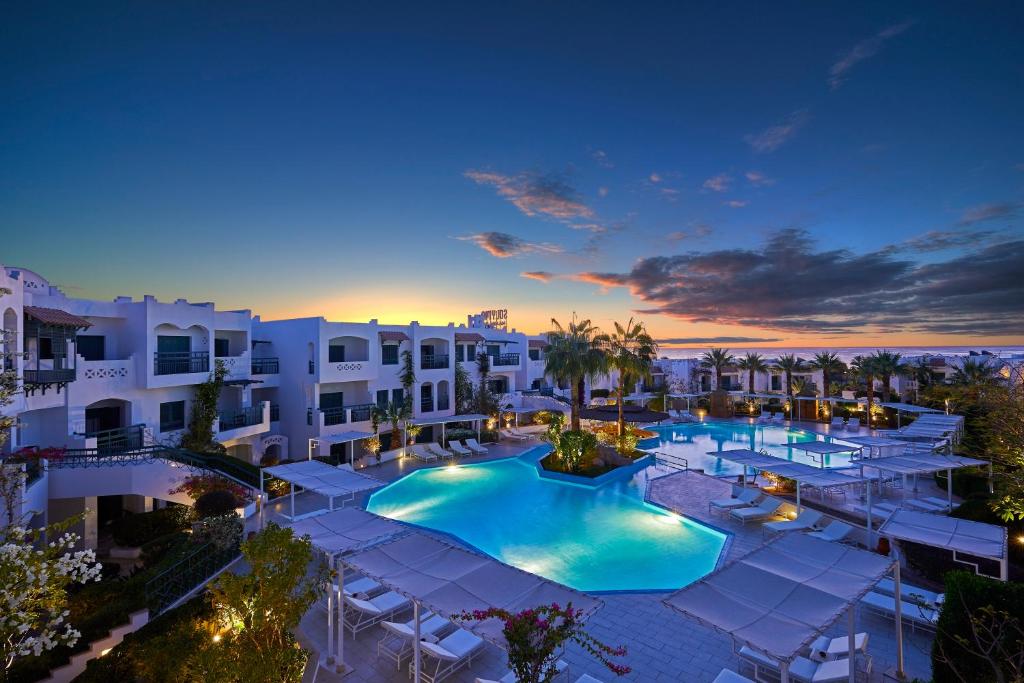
x: 663, y: 645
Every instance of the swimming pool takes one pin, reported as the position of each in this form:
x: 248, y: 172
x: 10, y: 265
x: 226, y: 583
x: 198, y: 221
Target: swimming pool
x: 694, y: 440
x: 592, y: 539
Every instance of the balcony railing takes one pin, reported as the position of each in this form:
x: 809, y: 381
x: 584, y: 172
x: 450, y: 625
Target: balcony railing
x: 49, y: 376
x: 180, y: 362
x: 362, y: 413
x: 275, y: 412
x: 312, y: 367
x: 334, y: 416
x: 118, y: 439
x: 437, y: 361
x: 266, y: 366
x: 504, y: 359
x: 236, y: 419
x: 427, y: 405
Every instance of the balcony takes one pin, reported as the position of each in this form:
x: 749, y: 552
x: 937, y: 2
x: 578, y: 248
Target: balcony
x: 180, y: 362
x: 116, y: 440
x: 504, y: 360
x: 266, y: 366
x: 236, y: 419
x: 361, y: 413
x: 61, y: 376
x: 437, y: 361
x: 334, y: 416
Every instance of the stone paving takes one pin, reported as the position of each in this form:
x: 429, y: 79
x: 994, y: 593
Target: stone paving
x: 662, y: 645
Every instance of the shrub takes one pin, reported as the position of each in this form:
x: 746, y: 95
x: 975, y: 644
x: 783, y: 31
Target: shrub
x: 197, y: 485
x: 138, y: 529
x: 224, y: 531
x: 576, y: 447
x: 216, y: 503
x: 979, y: 635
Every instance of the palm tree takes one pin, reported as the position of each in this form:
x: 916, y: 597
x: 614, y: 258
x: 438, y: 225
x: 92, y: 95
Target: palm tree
x: 483, y: 393
x: 752, y: 363
x: 717, y: 359
x: 830, y: 364
x: 631, y: 351
x: 864, y: 367
x: 573, y: 354
x: 789, y: 364
x: 396, y: 414
x: 975, y: 373
x: 887, y: 364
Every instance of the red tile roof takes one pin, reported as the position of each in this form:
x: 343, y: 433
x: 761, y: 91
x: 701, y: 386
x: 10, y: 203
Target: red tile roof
x: 394, y: 336
x: 537, y: 343
x: 469, y: 337
x: 54, y: 316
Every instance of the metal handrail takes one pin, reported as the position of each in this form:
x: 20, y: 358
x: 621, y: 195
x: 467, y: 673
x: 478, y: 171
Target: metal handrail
x: 671, y: 460
x: 334, y: 416
x: 236, y: 419
x: 502, y: 359
x: 181, y: 578
x: 180, y: 362
x: 266, y: 366
x: 436, y: 361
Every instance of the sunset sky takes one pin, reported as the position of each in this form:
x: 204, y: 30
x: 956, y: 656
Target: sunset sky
x: 738, y: 173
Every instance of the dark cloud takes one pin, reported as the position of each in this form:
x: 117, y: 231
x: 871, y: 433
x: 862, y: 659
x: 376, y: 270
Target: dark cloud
x: 790, y: 285
x: 940, y: 240
x: 717, y: 340
x: 861, y: 51
x: 547, y: 195
x: 773, y: 137
x: 504, y: 245
x: 539, y: 275
x: 988, y: 212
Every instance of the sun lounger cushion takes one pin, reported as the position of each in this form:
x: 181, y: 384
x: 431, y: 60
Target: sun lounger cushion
x: 382, y: 604
x: 454, y: 647
x: 728, y: 676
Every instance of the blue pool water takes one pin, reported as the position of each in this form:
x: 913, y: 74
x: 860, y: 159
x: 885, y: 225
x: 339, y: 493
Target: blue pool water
x: 693, y: 441
x: 592, y: 539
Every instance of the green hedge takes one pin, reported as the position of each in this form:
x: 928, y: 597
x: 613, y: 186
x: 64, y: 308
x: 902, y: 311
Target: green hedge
x: 967, y: 595
x: 134, y: 530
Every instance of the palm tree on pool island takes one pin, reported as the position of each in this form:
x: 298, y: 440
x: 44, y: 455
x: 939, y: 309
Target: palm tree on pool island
x: 753, y: 363
x: 717, y: 359
x: 573, y: 354
x: 631, y: 351
x: 830, y: 364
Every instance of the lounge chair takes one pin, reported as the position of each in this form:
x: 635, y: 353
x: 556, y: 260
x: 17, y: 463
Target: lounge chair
x: 837, y: 423
x: 362, y: 614
x: 436, y: 449
x: 922, y: 505
x: 938, y: 502
x: 560, y: 667
x: 420, y: 453
x: 877, y: 509
x: 745, y: 498
x: 911, y: 593
x: 730, y: 676
x: 459, y: 448
x: 800, y: 669
x: 474, y: 446
x: 509, y: 434
x: 808, y: 519
x: 853, y: 424
x: 769, y: 507
x: 361, y: 587
x: 762, y: 419
x: 836, y: 532
x: 448, y: 655
x: 778, y: 418
x: 824, y: 648
x: 916, y: 615
x: 398, y: 639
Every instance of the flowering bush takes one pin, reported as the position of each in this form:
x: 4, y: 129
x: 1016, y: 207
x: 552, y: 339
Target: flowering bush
x: 198, y: 484
x: 32, y: 589
x: 536, y: 637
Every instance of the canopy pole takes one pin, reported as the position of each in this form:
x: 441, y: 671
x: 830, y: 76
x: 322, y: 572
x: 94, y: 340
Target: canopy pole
x: 871, y: 526
x: 330, y: 614
x: 261, y: 499
x: 416, y: 661
x: 342, y: 667
x: 850, y: 642
x: 291, y: 489
x: 784, y: 672
x: 949, y: 488
x: 479, y: 426
x: 798, y: 510
x: 899, y: 621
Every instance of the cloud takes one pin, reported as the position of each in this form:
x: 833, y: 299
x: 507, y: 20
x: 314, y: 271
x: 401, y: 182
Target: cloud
x: 539, y: 275
x: 547, y: 195
x: 988, y: 212
x: 758, y: 179
x: 773, y: 137
x: 736, y: 203
x: 718, y: 183
x: 669, y: 194
x: 789, y: 284
x: 654, y: 178
x: 940, y: 240
x: 717, y: 340
x: 504, y: 245
x: 861, y: 51
x: 602, y: 192
x: 600, y: 157
x: 697, y: 230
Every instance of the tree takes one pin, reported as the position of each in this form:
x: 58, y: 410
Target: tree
x: 974, y: 373
x: 631, y: 351
x: 572, y: 354
x: 463, y: 391
x: 485, y: 401
x: 789, y: 364
x: 717, y: 359
x: 864, y: 367
x: 407, y: 376
x: 753, y: 363
x: 260, y: 609
x: 396, y: 414
x: 887, y: 364
x: 199, y: 436
x: 829, y: 364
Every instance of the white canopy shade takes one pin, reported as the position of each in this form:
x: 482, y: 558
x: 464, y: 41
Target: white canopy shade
x: 320, y: 478
x: 821, y: 447
x: 684, y: 395
x: 875, y: 441
x: 448, y: 580
x: 347, y: 530
x: 909, y: 408
x: 923, y: 463
x: 343, y: 437
x: 427, y: 421
x: 780, y: 597
x: 959, y: 535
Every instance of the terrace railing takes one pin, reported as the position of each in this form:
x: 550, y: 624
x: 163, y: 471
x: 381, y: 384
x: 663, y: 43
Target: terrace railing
x: 266, y: 366
x: 675, y: 462
x: 236, y: 419
x: 334, y: 416
x: 437, y: 361
x: 505, y: 359
x: 195, y: 569
x: 118, y: 439
x: 180, y: 362
x: 362, y: 412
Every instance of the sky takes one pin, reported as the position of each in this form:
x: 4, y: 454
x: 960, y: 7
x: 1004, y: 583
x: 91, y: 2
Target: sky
x: 793, y: 173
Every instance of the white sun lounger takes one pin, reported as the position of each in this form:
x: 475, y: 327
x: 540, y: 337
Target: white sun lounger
x: 913, y: 614
x: 746, y: 497
x: 808, y: 519
x: 877, y: 509
x: 417, y: 451
x: 730, y: 676
x: 778, y: 418
x: 910, y: 593
x: 836, y: 532
x: 853, y: 424
x: 837, y: 423
x: 398, y: 639
x: 438, y: 451
x: 362, y: 614
x: 509, y: 434
x: 361, y: 586
x: 474, y: 446
x: 459, y: 448
x: 824, y: 648
x: 449, y: 655
x: 768, y: 507
x: 801, y: 669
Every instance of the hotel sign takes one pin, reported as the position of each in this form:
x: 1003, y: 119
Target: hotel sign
x: 496, y: 319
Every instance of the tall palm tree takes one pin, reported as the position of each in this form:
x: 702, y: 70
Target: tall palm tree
x: 631, y: 351
x: 789, y: 363
x: 717, y: 359
x: 752, y: 363
x: 864, y: 367
x: 887, y: 364
x: 573, y: 354
x: 830, y: 364
x: 975, y: 373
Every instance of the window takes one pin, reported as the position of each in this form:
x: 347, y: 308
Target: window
x: 172, y: 416
x: 336, y: 353
x: 776, y: 383
x: 45, y: 348
x: 460, y: 352
x: 493, y: 350
x: 382, y: 398
x: 173, y: 344
x: 334, y: 399
x: 90, y: 346
x: 397, y: 396
x: 220, y: 348
x: 389, y: 354
x: 534, y: 354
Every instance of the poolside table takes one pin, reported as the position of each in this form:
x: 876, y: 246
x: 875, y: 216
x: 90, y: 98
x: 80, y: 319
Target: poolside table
x: 821, y: 448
